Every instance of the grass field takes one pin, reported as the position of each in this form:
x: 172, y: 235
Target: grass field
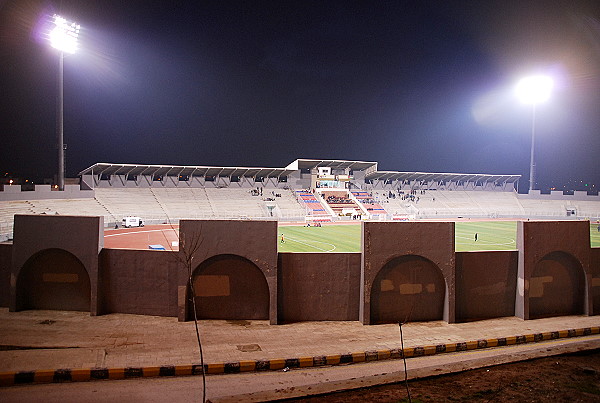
x: 328, y: 238
x: 491, y: 235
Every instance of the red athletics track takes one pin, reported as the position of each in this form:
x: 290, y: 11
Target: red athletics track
x: 141, y: 237
x: 164, y: 234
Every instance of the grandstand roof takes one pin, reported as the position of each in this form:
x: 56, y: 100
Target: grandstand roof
x: 178, y: 170
x: 338, y: 164
x: 370, y: 169
x: 437, y: 177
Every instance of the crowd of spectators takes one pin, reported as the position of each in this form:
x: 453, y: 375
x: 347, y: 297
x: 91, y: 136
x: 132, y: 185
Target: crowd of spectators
x: 259, y: 192
x: 331, y: 199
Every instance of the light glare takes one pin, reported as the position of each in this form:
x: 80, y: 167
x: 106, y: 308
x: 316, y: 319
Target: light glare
x: 534, y: 89
x: 64, y: 35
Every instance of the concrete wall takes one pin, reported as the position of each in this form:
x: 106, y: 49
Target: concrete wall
x: 382, y: 242
x: 44, y: 192
x: 595, y: 272
x: 255, y: 241
x: 486, y: 284
x: 5, y: 264
x: 318, y: 286
x: 142, y: 282
x: 559, y: 195
x: 82, y: 237
x: 554, y: 267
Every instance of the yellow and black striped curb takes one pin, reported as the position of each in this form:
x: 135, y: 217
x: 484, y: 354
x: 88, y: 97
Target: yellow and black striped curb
x: 90, y: 374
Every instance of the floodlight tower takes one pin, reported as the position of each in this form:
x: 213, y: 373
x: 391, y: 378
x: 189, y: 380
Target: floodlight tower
x: 534, y: 90
x: 64, y: 38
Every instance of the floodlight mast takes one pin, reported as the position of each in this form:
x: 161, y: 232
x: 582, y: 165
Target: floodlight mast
x: 534, y: 90
x: 64, y: 38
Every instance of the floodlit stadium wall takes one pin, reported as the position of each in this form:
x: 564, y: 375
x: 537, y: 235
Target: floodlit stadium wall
x: 160, y: 194
x: 160, y: 205
x: 407, y: 271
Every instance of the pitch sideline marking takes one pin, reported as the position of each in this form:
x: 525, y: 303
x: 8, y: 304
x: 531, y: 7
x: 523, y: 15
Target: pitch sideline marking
x: 316, y: 247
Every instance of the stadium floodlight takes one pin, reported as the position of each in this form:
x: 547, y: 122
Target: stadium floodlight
x: 534, y: 90
x: 64, y: 38
x: 64, y: 35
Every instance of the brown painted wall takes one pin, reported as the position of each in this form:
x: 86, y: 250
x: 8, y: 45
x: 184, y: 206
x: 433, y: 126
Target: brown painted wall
x: 486, y: 284
x: 308, y: 286
x: 255, y: 241
x: 80, y: 236
x: 384, y: 241
x: 54, y: 279
x: 539, y: 239
x: 595, y: 272
x: 230, y: 287
x: 318, y: 286
x: 5, y: 262
x: 142, y: 282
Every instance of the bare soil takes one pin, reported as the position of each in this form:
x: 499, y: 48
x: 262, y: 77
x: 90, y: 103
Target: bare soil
x: 564, y: 378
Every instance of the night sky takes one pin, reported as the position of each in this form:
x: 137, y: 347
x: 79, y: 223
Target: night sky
x: 413, y: 85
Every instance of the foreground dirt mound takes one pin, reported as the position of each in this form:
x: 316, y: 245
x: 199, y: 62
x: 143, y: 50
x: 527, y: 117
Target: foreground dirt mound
x: 565, y: 378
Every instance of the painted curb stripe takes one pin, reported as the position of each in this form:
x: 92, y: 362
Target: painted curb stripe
x: 306, y: 362
x: 231, y: 367
x: 11, y: 378
x: 150, y: 371
x: 116, y: 373
x: 7, y: 378
x: 215, y: 368
x: 24, y: 377
x: 276, y: 364
x: 384, y: 354
x: 246, y: 366
x: 80, y: 375
x: 43, y: 376
x: 333, y: 359
x: 166, y: 370
x: 181, y: 370
x: 292, y: 363
x: 320, y: 360
x: 99, y: 373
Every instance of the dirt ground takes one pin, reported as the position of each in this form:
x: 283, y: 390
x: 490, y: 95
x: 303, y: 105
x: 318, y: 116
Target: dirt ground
x: 565, y: 378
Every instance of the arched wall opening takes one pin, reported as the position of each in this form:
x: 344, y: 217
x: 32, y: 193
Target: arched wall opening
x: 230, y: 287
x: 408, y: 288
x: 556, y: 287
x: 54, y: 279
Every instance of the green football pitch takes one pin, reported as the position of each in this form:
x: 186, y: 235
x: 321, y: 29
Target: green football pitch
x: 491, y: 235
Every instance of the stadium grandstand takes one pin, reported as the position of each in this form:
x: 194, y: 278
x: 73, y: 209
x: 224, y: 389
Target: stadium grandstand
x: 305, y: 190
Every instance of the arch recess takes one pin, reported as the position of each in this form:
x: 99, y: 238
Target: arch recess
x: 408, y: 288
x: 230, y: 287
x: 556, y: 286
x: 54, y: 279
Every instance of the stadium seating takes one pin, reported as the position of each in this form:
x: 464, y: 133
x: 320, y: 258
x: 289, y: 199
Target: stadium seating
x: 313, y: 206
x: 368, y: 202
x: 159, y: 204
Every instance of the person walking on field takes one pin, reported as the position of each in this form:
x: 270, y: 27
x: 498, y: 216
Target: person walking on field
x: 476, y: 237
x: 282, y: 239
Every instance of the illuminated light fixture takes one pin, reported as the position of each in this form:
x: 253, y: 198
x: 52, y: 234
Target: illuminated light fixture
x: 64, y: 35
x: 533, y: 90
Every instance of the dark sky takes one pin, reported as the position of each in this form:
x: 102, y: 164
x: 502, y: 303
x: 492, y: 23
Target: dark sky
x: 413, y: 85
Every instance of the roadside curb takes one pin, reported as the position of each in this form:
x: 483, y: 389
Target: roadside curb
x: 14, y: 378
